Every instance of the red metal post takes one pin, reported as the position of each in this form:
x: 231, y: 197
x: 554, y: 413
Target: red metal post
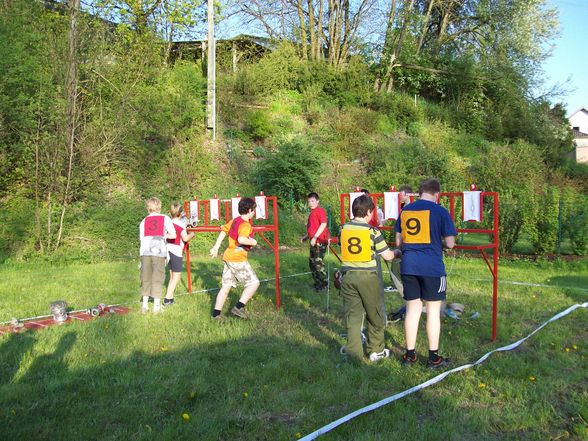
x: 495, y: 275
x: 188, y: 273
x: 276, y: 251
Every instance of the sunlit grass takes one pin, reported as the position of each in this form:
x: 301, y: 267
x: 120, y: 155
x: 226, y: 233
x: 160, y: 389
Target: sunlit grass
x: 279, y: 374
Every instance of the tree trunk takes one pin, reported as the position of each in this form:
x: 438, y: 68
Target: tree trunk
x: 388, y: 44
x: 425, y: 26
x: 331, y: 29
x: 72, y: 109
x: 319, y: 42
x: 312, y: 30
x: 303, y: 36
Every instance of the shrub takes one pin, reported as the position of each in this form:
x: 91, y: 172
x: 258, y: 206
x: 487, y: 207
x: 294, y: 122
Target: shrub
x: 291, y: 172
x: 259, y: 125
x: 516, y: 172
x: 546, y: 221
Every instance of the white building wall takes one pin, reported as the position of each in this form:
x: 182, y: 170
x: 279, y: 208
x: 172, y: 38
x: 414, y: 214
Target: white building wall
x: 581, y: 150
x: 580, y: 119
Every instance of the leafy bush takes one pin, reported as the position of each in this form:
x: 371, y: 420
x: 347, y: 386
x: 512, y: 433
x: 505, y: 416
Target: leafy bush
x: 277, y: 71
x: 546, y: 221
x: 258, y: 125
x: 516, y: 173
x: 575, y: 220
x: 291, y: 172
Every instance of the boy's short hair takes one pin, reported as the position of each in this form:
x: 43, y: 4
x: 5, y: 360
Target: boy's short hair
x: 314, y: 195
x: 430, y: 186
x: 245, y: 205
x: 361, y: 206
x: 176, y: 209
x: 153, y: 205
x: 405, y: 189
x: 365, y: 190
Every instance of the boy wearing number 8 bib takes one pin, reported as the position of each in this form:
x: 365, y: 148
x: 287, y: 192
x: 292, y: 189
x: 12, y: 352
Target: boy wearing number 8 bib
x: 422, y: 231
x: 361, y: 287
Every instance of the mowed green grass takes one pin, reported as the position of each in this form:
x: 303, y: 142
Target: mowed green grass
x: 279, y: 376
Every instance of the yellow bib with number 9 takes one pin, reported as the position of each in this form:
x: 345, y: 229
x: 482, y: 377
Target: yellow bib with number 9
x: 356, y: 245
x: 415, y: 227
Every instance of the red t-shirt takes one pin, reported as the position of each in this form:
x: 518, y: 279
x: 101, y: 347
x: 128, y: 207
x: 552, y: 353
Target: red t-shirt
x: 317, y: 217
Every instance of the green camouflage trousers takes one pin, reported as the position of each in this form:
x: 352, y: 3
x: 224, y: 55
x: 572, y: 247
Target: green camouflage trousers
x: 317, y: 265
x: 363, y: 298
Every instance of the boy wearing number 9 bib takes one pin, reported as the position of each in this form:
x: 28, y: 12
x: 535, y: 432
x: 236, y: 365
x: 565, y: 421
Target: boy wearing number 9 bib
x: 424, y: 228
x: 361, y: 287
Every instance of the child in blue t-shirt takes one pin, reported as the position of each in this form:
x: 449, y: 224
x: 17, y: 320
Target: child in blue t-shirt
x: 423, y: 230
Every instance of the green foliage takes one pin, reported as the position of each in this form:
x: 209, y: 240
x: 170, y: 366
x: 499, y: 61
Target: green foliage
x: 575, y: 221
x: 400, y: 108
x: 516, y: 173
x: 274, y: 72
x: 408, y: 161
x: 290, y: 172
x: 259, y: 125
x: 547, y: 221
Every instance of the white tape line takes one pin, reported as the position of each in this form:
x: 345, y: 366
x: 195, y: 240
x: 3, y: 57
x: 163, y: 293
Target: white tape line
x: 433, y: 380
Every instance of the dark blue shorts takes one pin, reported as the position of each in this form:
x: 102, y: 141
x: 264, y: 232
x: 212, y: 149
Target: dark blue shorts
x: 431, y: 289
x: 175, y: 263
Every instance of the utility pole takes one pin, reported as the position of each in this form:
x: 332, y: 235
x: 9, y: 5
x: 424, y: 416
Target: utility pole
x: 211, y: 74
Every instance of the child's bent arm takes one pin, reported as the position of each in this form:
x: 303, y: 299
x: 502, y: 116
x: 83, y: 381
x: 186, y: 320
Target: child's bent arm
x: 219, y: 239
x: 244, y: 240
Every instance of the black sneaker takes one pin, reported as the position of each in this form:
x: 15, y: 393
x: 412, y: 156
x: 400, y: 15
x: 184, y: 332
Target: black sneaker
x: 397, y: 316
x: 439, y: 363
x: 168, y: 302
x: 408, y: 361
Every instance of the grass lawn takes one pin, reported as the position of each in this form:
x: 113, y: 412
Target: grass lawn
x: 279, y: 376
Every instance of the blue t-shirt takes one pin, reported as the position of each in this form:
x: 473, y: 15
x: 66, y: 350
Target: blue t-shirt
x: 423, y: 224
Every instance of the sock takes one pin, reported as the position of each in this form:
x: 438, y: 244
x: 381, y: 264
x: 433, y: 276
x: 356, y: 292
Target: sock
x: 156, y: 304
x: 145, y: 302
x: 240, y: 305
x: 216, y: 312
x: 434, y: 355
x: 410, y: 353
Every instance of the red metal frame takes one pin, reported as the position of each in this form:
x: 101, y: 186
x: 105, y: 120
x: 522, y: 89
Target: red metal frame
x: 225, y: 212
x: 379, y: 197
x: 45, y: 321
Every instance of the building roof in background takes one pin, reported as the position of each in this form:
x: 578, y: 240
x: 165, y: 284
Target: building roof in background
x: 581, y: 109
x: 261, y: 41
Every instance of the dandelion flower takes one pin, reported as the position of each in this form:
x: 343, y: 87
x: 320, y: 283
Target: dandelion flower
x: 567, y: 349
x: 482, y: 385
x: 298, y: 435
x: 186, y: 416
x: 532, y: 378
x: 245, y: 394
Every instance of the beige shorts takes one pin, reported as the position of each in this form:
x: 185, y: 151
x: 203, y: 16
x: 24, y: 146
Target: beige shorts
x: 238, y: 272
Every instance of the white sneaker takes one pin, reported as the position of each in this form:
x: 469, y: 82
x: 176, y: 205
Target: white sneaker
x: 375, y: 356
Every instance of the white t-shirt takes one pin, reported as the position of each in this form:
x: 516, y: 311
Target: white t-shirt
x: 152, y: 234
x: 174, y: 249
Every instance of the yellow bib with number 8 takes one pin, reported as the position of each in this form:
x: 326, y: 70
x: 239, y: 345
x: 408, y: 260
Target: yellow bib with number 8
x: 356, y: 245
